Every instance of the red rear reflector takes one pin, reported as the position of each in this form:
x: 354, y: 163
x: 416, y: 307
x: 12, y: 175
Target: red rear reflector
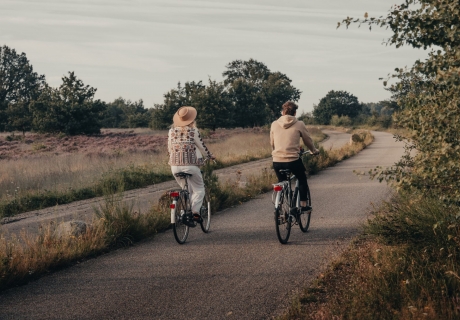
x: 172, y: 206
x: 174, y: 194
x: 277, y: 188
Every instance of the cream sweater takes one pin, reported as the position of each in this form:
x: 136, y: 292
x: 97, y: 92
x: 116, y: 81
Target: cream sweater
x: 285, y: 134
x: 186, y: 147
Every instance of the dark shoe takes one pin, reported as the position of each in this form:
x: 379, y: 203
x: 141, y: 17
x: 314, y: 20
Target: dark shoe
x: 294, y: 212
x: 188, y: 220
x: 306, y: 208
x: 197, y: 217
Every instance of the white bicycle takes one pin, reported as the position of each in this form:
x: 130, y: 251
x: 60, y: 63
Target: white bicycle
x: 287, y: 206
x: 181, y: 211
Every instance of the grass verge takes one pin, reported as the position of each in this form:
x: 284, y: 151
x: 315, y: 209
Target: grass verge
x: 116, y: 225
x: 132, y: 177
x: 405, y: 265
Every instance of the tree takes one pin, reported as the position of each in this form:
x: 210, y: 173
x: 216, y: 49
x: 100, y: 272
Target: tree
x: 257, y: 93
x: 276, y: 90
x: 162, y: 114
x: 428, y: 95
x: 123, y: 113
x: 251, y: 70
x: 340, y: 103
x: 18, y: 117
x: 19, y: 85
x: 248, y: 103
x: 70, y: 109
x: 214, y: 107
x: 250, y: 95
x: 307, y: 118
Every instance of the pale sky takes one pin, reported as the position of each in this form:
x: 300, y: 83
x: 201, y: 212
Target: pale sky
x: 140, y: 49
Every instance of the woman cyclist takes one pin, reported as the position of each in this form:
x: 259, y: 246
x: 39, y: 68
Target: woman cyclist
x: 186, y: 150
x: 285, y: 134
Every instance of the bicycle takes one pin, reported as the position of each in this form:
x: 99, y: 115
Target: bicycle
x: 287, y: 206
x: 181, y: 211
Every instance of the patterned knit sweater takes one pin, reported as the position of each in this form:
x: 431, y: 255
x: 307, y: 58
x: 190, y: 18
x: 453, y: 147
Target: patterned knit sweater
x: 185, y: 147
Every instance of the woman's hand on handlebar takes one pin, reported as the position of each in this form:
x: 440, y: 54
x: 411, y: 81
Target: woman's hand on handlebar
x: 211, y: 158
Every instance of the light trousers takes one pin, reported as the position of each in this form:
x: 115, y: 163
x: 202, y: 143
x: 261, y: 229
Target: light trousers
x: 195, y: 184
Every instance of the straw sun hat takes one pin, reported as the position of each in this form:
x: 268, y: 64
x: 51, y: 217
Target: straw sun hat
x: 184, y: 116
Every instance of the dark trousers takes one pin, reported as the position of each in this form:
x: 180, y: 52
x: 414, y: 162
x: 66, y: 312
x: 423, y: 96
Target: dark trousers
x: 298, y: 169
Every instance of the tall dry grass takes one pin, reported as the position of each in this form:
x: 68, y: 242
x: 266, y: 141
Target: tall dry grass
x: 75, y: 170
x: 406, y: 265
x: 47, y: 179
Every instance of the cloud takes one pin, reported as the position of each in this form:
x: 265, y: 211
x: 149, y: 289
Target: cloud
x: 153, y: 44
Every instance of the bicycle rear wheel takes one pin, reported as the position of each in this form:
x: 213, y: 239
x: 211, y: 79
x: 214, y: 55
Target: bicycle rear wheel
x: 179, y: 227
x: 304, y: 217
x: 205, y: 213
x: 282, y: 223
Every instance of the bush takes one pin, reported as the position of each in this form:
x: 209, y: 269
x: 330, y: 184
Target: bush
x: 342, y: 121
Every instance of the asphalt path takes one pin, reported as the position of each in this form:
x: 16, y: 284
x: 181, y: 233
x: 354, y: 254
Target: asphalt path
x: 335, y: 139
x: 237, y: 271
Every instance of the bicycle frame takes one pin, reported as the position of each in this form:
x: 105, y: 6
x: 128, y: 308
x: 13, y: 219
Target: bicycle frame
x: 175, y: 196
x: 286, y: 185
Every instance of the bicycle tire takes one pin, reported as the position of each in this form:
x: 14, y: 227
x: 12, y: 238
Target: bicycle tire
x: 205, y: 213
x: 282, y: 223
x: 304, y: 217
x: 179, y: 227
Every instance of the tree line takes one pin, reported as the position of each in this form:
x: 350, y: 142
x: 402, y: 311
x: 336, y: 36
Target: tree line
x: 27, y: 102
x: 341, y: 108
x: 250, y: 94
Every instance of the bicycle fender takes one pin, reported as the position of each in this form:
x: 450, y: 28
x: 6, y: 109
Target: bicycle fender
x: 277, y: 199
x: 173, y: 212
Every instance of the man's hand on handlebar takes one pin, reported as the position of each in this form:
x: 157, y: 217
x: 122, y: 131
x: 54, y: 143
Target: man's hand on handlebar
x: 302, y: 151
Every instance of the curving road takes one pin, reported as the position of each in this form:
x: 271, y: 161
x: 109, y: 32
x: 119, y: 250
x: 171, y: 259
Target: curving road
x: 335, y: 139
x: 237, y: 271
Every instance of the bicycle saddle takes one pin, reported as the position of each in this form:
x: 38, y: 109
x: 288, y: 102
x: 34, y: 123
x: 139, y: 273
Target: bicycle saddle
x: 182, y: 174
x: 287, y: 171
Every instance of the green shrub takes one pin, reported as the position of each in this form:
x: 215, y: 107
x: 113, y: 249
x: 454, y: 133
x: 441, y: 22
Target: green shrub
x: 342, y: 121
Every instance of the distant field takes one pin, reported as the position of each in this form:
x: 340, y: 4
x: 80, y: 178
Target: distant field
x: 41, y: 163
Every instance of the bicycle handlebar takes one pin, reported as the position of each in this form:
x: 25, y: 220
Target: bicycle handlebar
x: 210, y: 159
x: 302, y: 152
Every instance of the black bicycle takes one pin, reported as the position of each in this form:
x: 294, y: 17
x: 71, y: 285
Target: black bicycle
x: 287, y: 206
x: 181, y: 211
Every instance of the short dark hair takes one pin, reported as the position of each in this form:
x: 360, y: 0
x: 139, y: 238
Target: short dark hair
x: 290, y: 108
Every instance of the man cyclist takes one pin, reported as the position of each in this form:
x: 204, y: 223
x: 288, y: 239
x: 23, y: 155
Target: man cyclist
x: 285, y: 134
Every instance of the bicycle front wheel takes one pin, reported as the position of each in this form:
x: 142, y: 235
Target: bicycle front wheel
x: 179, y: 227
x: 304, y: 217
x: 282, y: 222
x: 205, y: 213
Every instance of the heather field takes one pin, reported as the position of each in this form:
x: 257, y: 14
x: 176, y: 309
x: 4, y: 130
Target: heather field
x: 36, y: 164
